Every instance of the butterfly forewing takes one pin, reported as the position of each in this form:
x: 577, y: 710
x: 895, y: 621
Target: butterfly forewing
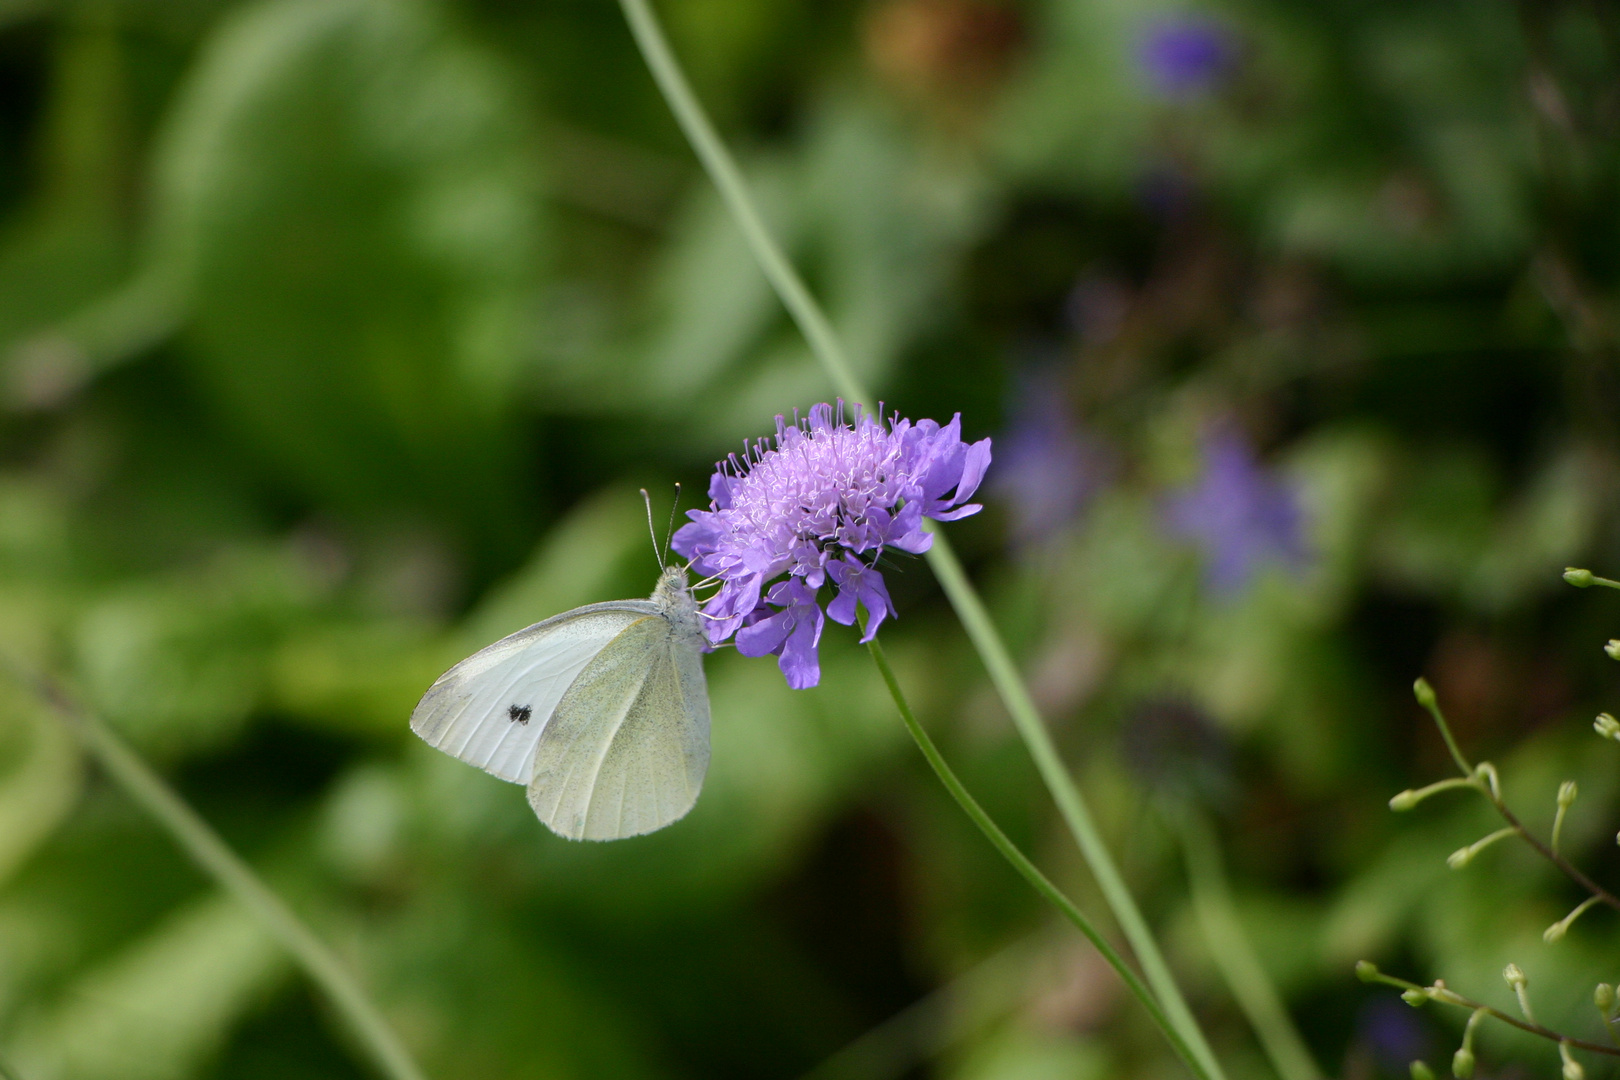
x: 628, y: 745
x: 491, y: 709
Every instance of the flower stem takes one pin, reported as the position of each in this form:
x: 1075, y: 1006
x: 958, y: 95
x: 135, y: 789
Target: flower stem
x: 1028, y: 870
x: 970, y: 609
x: 1426, y: 697
x: 1235, y: 957
x: 210, y: 852
x: 722, y: 169
x: 1071, y: 804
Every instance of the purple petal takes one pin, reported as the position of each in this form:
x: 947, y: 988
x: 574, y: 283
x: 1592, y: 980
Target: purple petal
x: 875, y: 597
x: 973, y: 469
x: 767, y: 635
x: 720, y: 489
x: 841, y: 609
x: 799, y: 662
x: 913, y: 543
x: 697, y: 537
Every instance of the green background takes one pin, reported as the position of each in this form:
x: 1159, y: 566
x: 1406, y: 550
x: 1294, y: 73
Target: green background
x: 336, y: 337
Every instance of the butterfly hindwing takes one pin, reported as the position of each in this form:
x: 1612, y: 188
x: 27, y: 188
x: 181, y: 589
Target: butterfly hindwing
x: 628, y: 745
x: 491, y: 709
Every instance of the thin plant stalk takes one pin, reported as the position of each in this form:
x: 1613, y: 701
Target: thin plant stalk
x: 210, y: 852
x: 824, y: 342
x: 1483, y: 779
x: 923, y: 1029
x: 1441, y: 993
x: 1020, y: 862
x: 1235, y: 957
x: 1071, y: 804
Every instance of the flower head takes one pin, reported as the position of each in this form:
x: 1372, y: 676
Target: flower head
x: 1185, y: 55
x: 1050, y: 466
x: 1238, y: 513
x: 821, y: 504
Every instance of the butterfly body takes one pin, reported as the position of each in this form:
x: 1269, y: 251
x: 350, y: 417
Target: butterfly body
x: 602, y: 712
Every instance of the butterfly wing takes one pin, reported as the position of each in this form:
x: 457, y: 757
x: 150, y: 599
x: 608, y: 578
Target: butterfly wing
x: 491, y: 709
x: 628, y: 745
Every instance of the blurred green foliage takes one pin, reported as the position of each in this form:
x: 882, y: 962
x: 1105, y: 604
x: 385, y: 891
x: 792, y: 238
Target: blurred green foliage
x: 336, y: 336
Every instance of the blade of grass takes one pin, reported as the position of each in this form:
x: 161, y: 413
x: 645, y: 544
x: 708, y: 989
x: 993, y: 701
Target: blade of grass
x: 1235, y: 957
x: 206, y: 848
x: 824, y: 342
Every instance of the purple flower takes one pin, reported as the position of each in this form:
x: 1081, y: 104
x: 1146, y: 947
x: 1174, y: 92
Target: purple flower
x: 1184, y: 55
x: 823, y: 502
x: 1050, y: 468
x: 1393, y: 1032
x: 1239, y: 514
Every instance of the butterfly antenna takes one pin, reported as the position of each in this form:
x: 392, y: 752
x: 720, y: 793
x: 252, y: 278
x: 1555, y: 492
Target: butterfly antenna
x: 647, y: 502
x: 669, y: 532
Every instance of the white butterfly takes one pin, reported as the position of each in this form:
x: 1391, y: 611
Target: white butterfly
x: 602, y: 711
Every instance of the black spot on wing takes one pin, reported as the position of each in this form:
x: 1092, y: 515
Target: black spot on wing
x: 519, y: 713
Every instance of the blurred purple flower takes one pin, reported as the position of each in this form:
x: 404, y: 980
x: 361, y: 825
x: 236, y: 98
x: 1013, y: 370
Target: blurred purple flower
x: 824, y: 501
x: 1049, y: 467
x: 1185, y: 55
x: 1238, y: 513
x: 1167, y: 192
x: 1393, y: 1032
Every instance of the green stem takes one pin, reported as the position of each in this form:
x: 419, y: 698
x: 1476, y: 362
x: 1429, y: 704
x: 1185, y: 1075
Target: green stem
x: 215, y: 857
x: 1025, y: 868
x: 1426, y: 697
x: 717, y: 161
x: 1071, y: 804
x: 1235, y: 957
x: 1438, y: 992
x: 970, y: 609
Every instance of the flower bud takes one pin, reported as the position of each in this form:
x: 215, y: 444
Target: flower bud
x: 1462, y: 1063
x: 1404, y: 801
x: 1613, y: 648
x: 1366, y: 971
x: 1581, y: 579
x: 1414, y: 997
x: 1513, y: 975
x: 1567, y: 791
x: 1572, y: 1069
x: 1607, y: 726
x: 1420, y: 1071
x: 1603, y: 998
x: 1423, y: 692
x: 1461, y: 857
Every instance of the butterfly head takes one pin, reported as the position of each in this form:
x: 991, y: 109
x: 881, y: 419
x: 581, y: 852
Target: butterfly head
x: 674, y: 598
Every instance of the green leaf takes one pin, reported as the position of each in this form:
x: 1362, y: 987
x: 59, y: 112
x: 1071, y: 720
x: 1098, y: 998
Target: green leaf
x: 161, y: 1007
x: 179, y: 663
x: 349, y: 186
